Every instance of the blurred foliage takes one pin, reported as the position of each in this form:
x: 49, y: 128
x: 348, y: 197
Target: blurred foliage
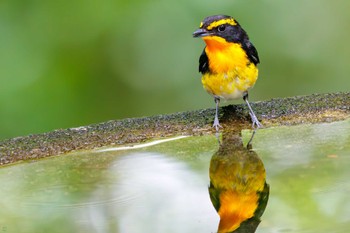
x: 71, y: 63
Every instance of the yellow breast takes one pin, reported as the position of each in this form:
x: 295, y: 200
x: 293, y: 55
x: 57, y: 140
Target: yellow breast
x: 231, y: 73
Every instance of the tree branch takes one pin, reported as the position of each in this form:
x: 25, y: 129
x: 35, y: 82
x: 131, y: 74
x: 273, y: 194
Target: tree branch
x: 285, y: 111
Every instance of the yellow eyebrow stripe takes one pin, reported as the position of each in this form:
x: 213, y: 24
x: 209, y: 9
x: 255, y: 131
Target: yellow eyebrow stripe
x: 220, y: 22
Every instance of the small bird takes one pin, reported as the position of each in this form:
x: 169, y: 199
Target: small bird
x: 228, y: 63
x: 238, y: 188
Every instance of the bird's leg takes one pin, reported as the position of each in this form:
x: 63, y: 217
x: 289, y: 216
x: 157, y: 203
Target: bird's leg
x: 256, y: 124
x: 216, y: 119
x: 249, y: 144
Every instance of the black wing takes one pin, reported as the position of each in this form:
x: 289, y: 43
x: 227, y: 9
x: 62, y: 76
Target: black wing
x: 203, y: 63
x: 251, y: 52
x: 214, y: 195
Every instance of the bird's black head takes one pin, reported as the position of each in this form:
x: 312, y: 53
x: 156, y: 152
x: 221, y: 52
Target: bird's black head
x: 222, y: 26
x: 228, y: 28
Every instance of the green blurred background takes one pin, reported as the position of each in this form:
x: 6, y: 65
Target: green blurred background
x: 72, y: 63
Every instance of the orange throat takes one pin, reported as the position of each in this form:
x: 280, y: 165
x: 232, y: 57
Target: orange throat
x: 224, y: 56
x: 215, y: 43
x: 235, y: 209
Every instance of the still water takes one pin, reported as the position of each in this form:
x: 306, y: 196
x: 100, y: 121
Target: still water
x: 296, y: 178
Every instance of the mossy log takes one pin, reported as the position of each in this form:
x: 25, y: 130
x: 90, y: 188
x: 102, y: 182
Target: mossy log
x: 284, y: 111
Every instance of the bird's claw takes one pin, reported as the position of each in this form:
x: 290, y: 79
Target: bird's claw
x: 216, y: 124
x: 255, y: 122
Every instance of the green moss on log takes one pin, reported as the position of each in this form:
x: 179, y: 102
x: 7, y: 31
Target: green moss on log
x: 285, y: 111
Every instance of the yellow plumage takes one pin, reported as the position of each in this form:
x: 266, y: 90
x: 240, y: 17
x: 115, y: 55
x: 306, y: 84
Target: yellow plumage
x: 237, y: 183
x: 231, y: 74
x: 228, y: 62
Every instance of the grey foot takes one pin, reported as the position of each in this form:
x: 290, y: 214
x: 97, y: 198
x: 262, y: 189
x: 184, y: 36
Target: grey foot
x: 255, y: 122
x: 216, y: 124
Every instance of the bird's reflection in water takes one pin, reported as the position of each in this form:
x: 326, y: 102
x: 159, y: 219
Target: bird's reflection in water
x: 238, y: 188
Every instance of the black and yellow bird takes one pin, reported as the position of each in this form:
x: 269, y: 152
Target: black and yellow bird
x: 238, y: 188
x: 228, y: 63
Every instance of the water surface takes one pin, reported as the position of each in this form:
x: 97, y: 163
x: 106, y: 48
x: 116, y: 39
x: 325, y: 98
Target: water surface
x: 164, y: 187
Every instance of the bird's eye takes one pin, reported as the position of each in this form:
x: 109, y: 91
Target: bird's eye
x: 221, y: 28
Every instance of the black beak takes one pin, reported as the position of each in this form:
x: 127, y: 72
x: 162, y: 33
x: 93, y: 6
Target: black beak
x: 201, y: 32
